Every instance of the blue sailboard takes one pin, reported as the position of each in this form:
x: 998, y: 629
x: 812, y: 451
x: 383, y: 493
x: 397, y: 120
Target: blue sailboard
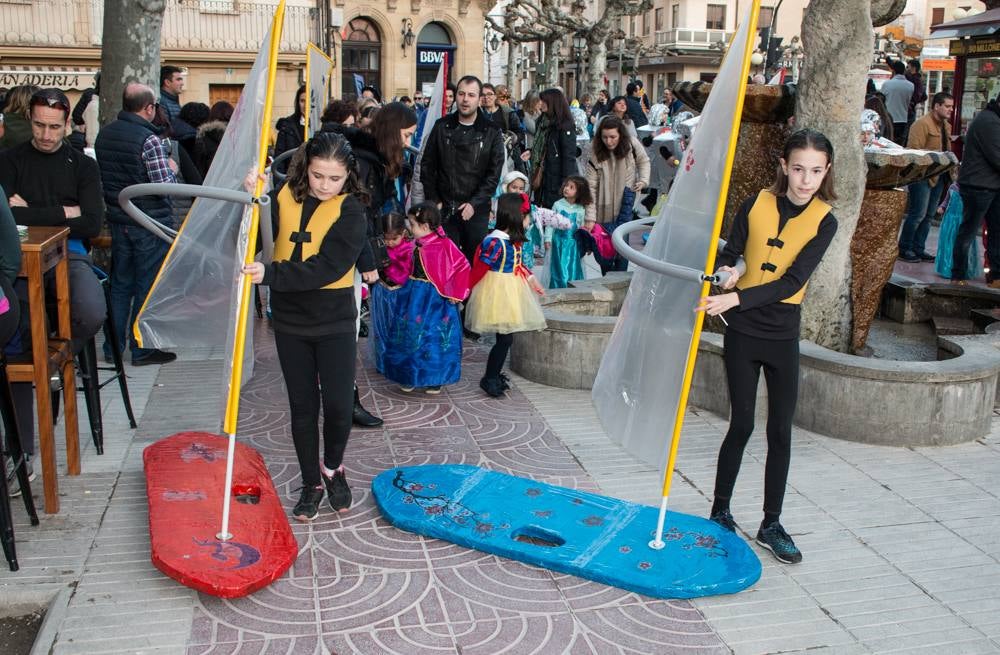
x: 584, y: 534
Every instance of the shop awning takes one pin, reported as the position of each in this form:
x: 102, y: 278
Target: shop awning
x: 982, y: 24
x: 67, y: 78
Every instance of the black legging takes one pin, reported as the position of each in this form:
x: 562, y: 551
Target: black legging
x: 302, y: 359
x: 744, y: 356
x: 498, y: 355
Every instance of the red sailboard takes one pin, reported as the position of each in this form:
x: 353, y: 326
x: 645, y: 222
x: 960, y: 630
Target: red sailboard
x: 185, y: 475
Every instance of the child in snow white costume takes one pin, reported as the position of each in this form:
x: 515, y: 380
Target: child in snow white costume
x: 503, y: 298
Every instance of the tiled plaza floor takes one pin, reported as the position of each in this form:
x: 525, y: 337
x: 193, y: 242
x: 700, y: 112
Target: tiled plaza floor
x: 902, y: 546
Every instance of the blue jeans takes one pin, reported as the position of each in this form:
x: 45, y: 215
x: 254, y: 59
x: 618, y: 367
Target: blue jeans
x: 920, y: 209
x: 977, y: 205
x: 136, y: 256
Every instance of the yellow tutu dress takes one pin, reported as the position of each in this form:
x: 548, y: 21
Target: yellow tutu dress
x: 502, y: 301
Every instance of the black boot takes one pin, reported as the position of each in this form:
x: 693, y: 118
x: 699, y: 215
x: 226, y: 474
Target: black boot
x: 362, y: 417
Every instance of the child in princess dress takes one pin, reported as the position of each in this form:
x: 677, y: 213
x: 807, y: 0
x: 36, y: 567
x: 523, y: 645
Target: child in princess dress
x: 503, y: 298
x: 564, y: 253
x: 418, y: 334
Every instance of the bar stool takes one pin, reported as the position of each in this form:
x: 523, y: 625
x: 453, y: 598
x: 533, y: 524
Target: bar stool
x: 89, y: 373
x: 13, y: 438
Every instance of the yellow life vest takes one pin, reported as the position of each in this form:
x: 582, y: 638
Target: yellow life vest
x: 289, y: 220
x: 768, y: 253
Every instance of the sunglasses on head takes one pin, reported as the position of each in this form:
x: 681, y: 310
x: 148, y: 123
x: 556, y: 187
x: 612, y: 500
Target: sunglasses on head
x: 50, y: 101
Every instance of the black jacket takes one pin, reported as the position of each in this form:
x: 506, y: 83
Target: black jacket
x: 206, y: 143
x: 635, y: 111
x: 558, y: 164
x: 291, y: 134
x: 119, y: 155
x: 981, y: 155
x: 461, y: 166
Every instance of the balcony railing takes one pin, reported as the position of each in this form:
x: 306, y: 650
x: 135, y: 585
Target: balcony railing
x: 215, y: 25
x: 692, y: 39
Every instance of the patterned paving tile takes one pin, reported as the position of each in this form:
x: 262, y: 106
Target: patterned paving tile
x: 401, y: 641
x: 363, y: 586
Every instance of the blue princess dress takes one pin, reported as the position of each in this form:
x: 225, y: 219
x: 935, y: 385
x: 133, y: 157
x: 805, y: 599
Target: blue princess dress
x: 417, y: 326
x: 565, y: 256
x: 950, y: 223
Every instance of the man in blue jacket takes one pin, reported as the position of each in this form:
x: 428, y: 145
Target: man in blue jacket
x: 129, y: 151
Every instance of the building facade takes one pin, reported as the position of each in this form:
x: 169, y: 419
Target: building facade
x: 676, y: 40
x: 394, y: 45
x: 914, y: 26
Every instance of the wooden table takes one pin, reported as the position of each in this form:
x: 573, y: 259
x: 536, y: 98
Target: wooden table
x: 46, y: 249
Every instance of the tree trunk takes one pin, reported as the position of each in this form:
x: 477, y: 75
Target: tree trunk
x: 597, y: 68
x: 831, y: 97
x: 551, y: 77
x: 130, y: 50
x: 886, y: 11
x: 513, y: 70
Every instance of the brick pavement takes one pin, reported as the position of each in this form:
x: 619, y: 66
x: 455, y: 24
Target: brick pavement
x: 902, y: 548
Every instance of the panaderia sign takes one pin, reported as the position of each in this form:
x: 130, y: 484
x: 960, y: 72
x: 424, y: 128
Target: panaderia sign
x: 66, y: 80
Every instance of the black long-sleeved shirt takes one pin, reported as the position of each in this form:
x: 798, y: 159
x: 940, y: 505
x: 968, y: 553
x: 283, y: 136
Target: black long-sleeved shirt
x: 761, y: 312
x: 299, y: 303
x: 50, y: 181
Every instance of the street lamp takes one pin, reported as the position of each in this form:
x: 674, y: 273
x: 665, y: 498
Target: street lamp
x: 407, y: 33
x: 579, y: 46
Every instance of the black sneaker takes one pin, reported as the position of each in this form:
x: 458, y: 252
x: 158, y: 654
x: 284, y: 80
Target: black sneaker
x: 470, y: 335
x: 925, y: 256
x: 308, y: 506
x: 776, y: 540
x: 155, y: 357
x: 433, y: 391
x: 492, y: 386
x: 504, y: 382
x: 909, y: 256
x: 725, y: 519
x: 338, y: 491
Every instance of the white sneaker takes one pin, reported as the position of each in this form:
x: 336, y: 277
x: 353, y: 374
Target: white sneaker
x: 13, y: 486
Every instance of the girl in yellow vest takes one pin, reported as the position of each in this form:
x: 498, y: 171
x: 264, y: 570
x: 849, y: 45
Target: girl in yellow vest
x: 319, y: 228
x: 782, y: 233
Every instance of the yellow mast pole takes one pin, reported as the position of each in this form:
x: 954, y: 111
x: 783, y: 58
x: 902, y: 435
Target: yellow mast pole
x: 657, y: 542
x: 244, y: 288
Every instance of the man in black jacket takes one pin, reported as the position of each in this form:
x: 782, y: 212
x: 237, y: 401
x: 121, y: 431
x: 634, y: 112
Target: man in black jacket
x: 634, y: 101
x: 51, y: 184
x: 979, y: 186
x: 461, y: 167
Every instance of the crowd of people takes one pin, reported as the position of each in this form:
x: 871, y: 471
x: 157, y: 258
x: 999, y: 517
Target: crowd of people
x: 447, y: 240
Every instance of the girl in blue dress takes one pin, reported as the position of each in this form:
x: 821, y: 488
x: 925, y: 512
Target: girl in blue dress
x: 419, y: 338
x: 565, y: 254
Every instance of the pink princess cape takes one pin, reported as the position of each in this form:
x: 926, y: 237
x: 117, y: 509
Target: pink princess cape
x: 605, y: 247
x: 445, y: 265
x: 400, y: 263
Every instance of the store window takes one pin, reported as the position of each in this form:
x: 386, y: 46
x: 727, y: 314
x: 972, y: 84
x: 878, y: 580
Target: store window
x: 362, y: 55
x: 716, y: 17
x: 434, y: 44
